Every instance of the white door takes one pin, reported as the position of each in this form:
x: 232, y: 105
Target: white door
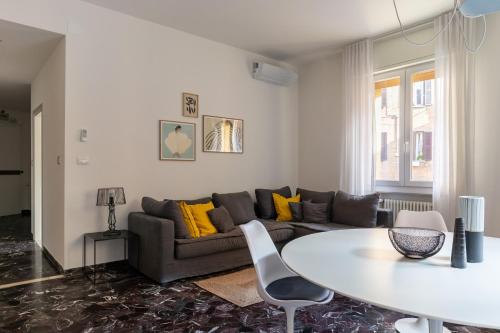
x: 37, y: 176
x: 11, y: 187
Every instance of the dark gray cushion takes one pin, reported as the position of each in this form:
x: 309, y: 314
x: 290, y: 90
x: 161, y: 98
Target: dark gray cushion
x: 239, y: 205
x: 318, y: 197
x: 265, y: 202
x: 296, y: 208
x: 315, y: 212
x: 166, y: 209
x: 221, y: 219
x: 195, y: 247
x: 197, y: 201
x: 318, y: 227
x: 296, y: 288
x: 358, y: 211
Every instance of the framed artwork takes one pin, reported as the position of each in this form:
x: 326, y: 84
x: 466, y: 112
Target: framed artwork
x: 190, y: 105
x: 222, y: 135
x: 177, y: 141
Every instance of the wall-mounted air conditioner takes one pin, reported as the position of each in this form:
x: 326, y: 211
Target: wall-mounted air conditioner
x: 273, y: 74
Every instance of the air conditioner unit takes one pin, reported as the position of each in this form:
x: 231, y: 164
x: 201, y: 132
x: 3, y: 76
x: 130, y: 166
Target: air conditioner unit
x: 273, y: 74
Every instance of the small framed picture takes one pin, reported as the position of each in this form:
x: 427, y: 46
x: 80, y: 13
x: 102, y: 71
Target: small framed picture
x: 177, y: 141
x: 222, y: 135
x: 190, y: 105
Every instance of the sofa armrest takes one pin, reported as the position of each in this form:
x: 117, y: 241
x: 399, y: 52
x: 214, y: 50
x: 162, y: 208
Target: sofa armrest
x: 384, y: 218
x: 155, y: 244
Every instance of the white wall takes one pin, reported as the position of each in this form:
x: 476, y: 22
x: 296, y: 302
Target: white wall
x: 320, y: 105
x: 122, y: 76
x: 48, y: 90
x: 487, y: 161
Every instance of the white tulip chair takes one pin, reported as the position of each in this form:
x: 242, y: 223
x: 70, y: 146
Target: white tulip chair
x: 277, y: 284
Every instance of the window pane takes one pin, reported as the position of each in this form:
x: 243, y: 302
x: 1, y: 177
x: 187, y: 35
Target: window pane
x: 387, y: 121
x: 422, y: 125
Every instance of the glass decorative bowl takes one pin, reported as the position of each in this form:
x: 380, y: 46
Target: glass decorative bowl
x: 416, y: 243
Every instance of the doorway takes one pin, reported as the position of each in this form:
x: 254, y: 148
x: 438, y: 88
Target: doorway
x: 24, y: 253
x: 37, y: 221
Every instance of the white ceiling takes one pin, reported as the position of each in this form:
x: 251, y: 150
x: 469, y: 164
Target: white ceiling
x: 23, y: 51
x: 281, y: 29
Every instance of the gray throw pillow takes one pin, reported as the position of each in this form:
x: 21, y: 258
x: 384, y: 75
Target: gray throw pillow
x: 197, y: 201
x: 166, y: 209
x: 358, y: 211
x: 265, y: 202
x: 318, y: 197
x: 239, y: 205
x: 296, y: 208
x: 221, y: 219
x: 315, y: 212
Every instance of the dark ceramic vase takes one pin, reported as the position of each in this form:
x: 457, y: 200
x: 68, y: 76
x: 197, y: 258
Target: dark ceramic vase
x: 474, y: 244
x: 458, y: 258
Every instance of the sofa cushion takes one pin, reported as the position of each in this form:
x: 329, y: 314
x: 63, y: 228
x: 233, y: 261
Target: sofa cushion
x: 358, y: 211
x: 166, y: 209
x: 197, y: 201
x: 221, y: 219
x: 239, y: 205
x: 296, y: 208
x: 319, y: 227
x: 318, y: 197
x: 189, y: 221
x: 305, y: 228
x: 315, y: 212
x: 265, y: 203
x: 282, y: 207
x: 190, y: 248
x: 200, y: 216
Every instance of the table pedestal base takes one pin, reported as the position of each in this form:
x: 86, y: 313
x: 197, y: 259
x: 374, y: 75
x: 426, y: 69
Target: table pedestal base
x: 420, y: 325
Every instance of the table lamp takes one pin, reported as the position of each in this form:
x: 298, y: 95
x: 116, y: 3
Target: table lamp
x: 111, y: 197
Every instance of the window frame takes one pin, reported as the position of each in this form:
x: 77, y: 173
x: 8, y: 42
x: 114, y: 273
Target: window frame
x: 384, y: 76
x: 406, y: 140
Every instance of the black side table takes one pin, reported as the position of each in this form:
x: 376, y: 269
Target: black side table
x: 102, y: 236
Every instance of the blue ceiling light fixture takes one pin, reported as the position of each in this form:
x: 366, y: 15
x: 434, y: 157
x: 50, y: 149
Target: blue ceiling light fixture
x: 470, y: 9
x: 475, y: 8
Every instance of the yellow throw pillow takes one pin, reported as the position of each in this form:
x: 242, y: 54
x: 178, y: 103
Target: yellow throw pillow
x: 282, y: 207
x: 199, y: 213
x: 189, y: 220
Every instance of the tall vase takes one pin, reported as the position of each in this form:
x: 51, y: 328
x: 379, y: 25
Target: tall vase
x: 458, y: 249
x: 471, y: 209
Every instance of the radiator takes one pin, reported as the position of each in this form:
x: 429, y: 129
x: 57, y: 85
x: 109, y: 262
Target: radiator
x: 397, y: 205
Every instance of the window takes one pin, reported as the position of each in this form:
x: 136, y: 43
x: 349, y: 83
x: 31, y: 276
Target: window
x: 404, y: 126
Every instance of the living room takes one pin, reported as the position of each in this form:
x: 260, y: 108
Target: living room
x: 152, y: 103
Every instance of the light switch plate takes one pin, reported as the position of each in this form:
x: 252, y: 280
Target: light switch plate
x: 82, y: 160
x: 83, y: 135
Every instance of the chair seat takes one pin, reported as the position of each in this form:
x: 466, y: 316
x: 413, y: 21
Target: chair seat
x: 297, y: 288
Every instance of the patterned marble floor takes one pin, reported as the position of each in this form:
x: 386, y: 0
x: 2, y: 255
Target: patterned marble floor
x: 20, y: 257
x: 131, y: 302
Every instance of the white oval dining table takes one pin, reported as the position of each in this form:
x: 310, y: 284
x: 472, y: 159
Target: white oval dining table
x: 362, y: 264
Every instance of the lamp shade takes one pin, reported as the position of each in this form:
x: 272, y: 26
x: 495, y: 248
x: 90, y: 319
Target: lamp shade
x: 111, y: 196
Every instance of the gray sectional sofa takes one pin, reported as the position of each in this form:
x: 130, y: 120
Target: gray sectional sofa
x: 161, y: 255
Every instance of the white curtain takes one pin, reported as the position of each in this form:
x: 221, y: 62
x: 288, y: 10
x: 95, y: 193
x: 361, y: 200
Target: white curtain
x: 356, y: 175
x: 453, y: 154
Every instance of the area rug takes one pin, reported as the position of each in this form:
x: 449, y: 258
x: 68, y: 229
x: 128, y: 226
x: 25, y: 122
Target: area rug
x: 239, y: 288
